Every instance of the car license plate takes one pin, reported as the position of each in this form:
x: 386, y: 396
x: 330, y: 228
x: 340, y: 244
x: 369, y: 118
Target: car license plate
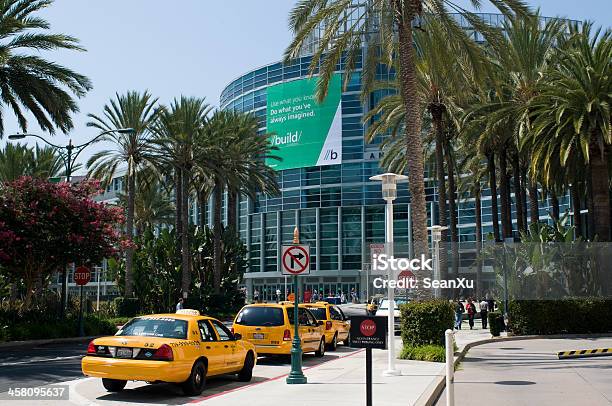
x: 258, y: 336
x: 124, y: 353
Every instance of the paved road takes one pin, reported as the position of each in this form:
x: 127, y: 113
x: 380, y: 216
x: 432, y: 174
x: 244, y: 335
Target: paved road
x: 529, y: 373
x: 40, y: 365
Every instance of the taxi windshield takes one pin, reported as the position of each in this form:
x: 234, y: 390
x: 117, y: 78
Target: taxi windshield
x: 318, y: 312
x: 155, y: 327
x: 261, y: 316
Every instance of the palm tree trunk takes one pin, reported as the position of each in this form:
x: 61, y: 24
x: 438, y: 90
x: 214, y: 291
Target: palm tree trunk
x: 452, y: 206
x: 554, y: 201
x: 534, y: 210
x: 185, y: 252
x: 232, y: 207
x: 518, y: 193
x: 129, y: 224
x: 414, y: 148
x: 493, y: 188
x: 575, y: 191
x: 478, y: 210
x: 504, y: 191
x: 217, y: 235
x: 202, y: 203
x: 178, y: 207
x: 600, y: 187
x: 442, y: 221
x: 524, y: 195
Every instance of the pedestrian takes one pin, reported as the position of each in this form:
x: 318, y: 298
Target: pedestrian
x: 342, y: 298
x: 491, y: 303
x: 278, y: 295
x: 484, y: 311
x: 353, y: 296
x: 471, y: 311
x: 459, y: 309
x: 179, y: 305
x: 315, y: 296
x: 256, y: 296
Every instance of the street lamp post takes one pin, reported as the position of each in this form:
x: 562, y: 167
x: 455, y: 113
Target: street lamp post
x: 296, y: 376
x: 389, y: 192
x: 436, y: 236
x: 68, y: 154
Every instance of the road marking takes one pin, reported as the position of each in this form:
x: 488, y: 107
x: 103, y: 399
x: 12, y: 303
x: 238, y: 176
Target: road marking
x: 8, y: 364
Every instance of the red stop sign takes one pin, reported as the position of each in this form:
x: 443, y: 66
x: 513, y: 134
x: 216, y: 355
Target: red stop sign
x: 367, y: 328
x: 82, y: 275
x: 408, y: 274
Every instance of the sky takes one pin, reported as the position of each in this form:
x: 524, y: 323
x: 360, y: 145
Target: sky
x: 190, y: 47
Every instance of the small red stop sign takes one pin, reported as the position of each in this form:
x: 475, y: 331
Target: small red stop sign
x: 367, y: 328
x: 82, y: 276
x: 408, y: 274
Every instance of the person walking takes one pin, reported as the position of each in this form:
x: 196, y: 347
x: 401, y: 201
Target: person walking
x: 484, y: 311
x: 471, y: 311
x: 459, y: 309
x: 179, y: 305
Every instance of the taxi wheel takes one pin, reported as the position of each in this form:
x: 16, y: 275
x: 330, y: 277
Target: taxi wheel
x: 113, y: 385
x: 334, y: 344
x: 194, y: 385
x: 321, y: 351
x: 246, y: 373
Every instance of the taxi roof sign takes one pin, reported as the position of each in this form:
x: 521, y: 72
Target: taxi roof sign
x: 188, y: 312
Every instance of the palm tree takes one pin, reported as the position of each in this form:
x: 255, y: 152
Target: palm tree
x: 153, y: 205
x: 572, y: 116
x: 134, y: 149
x: 176, y: 133
x: 19, y: 160
x: 233, y: 154
x: 29, y: 82
x: 342, y: 26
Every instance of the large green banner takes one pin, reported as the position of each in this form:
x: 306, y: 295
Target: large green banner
x: 306, y: 133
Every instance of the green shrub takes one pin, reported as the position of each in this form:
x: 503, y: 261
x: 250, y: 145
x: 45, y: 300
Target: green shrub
x: 496, y: 323
x: 430, y: 352
x: 424, y: 323
x: 127, y: 307
x: 119, y: 321
x: 563, y: 316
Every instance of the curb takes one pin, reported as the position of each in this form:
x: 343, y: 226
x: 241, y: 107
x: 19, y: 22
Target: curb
x: 435, y: 388
x: 35, y: 343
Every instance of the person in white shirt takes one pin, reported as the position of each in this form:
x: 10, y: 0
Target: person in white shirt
x: 484, y: 311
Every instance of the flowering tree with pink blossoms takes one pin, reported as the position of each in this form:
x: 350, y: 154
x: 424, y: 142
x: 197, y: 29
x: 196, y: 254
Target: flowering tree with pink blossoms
x: 45, y: 226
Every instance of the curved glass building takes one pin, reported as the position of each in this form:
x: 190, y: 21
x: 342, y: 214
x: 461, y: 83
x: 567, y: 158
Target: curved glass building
x: 338, y: 210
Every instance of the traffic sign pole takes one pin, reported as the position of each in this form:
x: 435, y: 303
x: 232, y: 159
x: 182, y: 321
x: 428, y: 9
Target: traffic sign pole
x: 82, y: 275
x: 81, y: 326
x: 296, y: 376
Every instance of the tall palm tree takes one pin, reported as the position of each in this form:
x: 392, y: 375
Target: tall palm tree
x: 176, y: 132
x: 134, y: 150
x: 29, y: 82
x: 572, y: 116
x: 153, y: 205
x: 342, y: 26
x: 233, y: 154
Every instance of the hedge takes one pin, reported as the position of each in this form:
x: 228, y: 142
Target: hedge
x: 126, y: 307
x: 564, y: 316
x: 496, y: 323
x: 424, y: 323
x: 93, y: 326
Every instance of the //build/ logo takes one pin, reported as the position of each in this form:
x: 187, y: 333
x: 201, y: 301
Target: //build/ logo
x: 330, y: 155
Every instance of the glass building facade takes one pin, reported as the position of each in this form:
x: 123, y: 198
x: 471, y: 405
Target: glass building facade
x: 337, y: 209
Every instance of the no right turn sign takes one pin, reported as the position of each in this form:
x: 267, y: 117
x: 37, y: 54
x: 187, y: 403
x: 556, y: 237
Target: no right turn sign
x: 295, y: 260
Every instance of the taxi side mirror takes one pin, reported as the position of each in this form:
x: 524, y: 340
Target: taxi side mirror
x: 319, y: 322
x: 237, y: 336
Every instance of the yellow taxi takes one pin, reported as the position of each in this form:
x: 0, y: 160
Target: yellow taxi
x: 337, y: 326
x: 269, y: 326
x: 182, y: 347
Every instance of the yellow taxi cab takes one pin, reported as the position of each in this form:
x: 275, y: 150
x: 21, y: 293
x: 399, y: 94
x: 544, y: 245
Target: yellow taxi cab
x: 182, y: 347
x: 269, y: 326
x: 337, y: 326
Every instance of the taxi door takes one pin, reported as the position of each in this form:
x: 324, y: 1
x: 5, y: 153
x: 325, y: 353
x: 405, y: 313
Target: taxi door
x: 338, y: 322
x: 233, y: 356
x: 304, y: 327
x: 313, y: 332
x: 212, y: 348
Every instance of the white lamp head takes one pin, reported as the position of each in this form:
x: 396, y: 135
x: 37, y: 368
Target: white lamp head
x: 389, y: 184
